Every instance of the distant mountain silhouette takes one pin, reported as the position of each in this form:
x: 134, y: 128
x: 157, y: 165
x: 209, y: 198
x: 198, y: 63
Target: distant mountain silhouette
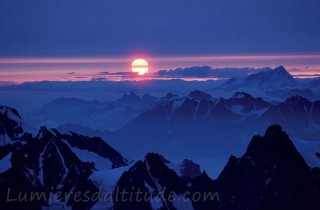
x: 94, y: 114
x: 289, y: 92
x: 298, y: 115
x: 271, y: 79
x: 265, y: 79
x: 134, y: 101
x: 191, y: 121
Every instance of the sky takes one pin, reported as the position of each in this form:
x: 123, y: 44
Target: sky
x: 19, y: 70
x: 156, y: 29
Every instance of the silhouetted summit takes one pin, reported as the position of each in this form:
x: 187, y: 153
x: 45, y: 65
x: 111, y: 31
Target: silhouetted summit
x: 270, y: 175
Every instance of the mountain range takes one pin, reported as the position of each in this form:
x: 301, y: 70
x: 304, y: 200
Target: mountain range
x: 69, y: 149
x: 199, y: 126
x: 97, y: 115
x: 188, y: 122
x: 271, y: 174
x: 271, y: 84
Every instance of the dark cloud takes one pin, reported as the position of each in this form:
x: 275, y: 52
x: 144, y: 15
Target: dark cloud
x: 104, y: 73
x: 5, y: 83
x: 190, y: 72
x: 208, y: 72
x: 98, y: 79
x: 81, y: 77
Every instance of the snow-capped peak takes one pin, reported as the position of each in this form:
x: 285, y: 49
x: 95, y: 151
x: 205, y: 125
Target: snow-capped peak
x: 271, y: 79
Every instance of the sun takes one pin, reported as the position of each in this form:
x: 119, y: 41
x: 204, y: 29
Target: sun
x: 140, y: 66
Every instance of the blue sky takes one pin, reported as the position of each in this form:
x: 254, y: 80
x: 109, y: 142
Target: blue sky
x: 42, y: 28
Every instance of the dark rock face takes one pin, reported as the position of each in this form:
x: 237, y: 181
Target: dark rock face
x: 204, y: 185
x: 10, y: 125
x: 97, y: 146
x: 153, y: 177
x: 45, y: 164
x: 15, y: 183
x: 190, y: 169
x: 49, y: 164
x: 270, y: 175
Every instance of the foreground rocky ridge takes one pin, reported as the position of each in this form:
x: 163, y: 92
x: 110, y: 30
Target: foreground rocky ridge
x: 270, y: 175
x: 49, y: 163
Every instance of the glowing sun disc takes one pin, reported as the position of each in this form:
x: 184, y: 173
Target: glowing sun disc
x: 140, y: 66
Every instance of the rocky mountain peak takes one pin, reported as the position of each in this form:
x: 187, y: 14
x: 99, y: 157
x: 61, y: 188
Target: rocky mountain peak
x: 199, y: 95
